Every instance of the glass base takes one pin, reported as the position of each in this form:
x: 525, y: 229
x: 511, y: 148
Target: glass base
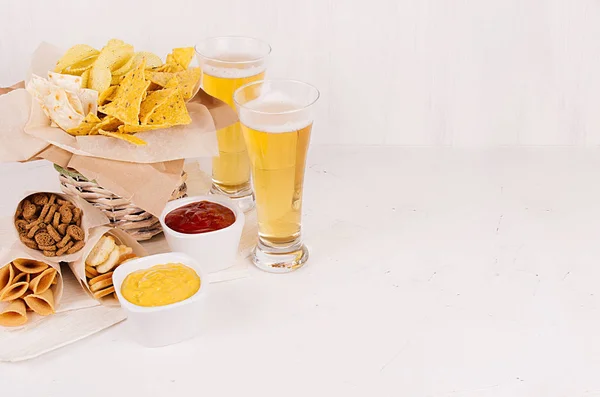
x: 243, y: 198
x: 280, y: 260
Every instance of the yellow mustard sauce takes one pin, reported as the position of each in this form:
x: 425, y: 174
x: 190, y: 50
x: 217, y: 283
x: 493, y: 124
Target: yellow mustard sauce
x: 160, y: 285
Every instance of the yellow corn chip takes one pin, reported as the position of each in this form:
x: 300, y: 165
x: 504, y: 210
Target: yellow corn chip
x: 132, y: 129
x: 172, y: 111
x: 188, y: 81
x: 182, y: 56
x: 160, y: 78
x: 74, y: 55
x: 108, y: 123
x: 125, y: 137
x: 171, y: 67
x: 152, y: 101
x: 107, y: 95
x: 126, y: 104
x: 86, y: 126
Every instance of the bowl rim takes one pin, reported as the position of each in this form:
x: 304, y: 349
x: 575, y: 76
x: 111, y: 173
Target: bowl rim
x: 225, y: 201
x: 124, y: 270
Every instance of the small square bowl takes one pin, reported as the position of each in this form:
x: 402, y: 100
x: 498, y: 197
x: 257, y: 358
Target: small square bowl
x: 218, y: 249
x: 162, y: 325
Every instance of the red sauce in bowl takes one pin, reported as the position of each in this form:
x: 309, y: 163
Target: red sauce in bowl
x: 200, y: 217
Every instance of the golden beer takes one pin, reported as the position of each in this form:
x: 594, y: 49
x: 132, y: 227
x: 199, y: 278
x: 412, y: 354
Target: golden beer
x: 231, y: 170
x: 228, y: 63
x: 278, y: 161
x: 276, y: 120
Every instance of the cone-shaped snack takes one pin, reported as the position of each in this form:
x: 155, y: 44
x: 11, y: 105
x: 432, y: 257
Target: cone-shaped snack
x: 43, y: 281
x: 7, y: 273
x: 21, y: 277
x: 14, y: 315
x: 29, y: 265
x: 42, y: 304
x: 14, y: 291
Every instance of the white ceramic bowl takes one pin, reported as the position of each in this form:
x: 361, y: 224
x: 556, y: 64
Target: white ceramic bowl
x: 168, y: 324
x: 216, y: 250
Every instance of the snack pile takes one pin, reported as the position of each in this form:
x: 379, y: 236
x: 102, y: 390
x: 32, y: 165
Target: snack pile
x: 106, y: 255
x: 47, y: 223
x: 117, y: 92
x: 26, y: 286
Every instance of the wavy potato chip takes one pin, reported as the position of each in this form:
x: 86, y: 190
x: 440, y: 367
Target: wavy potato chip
x: 78, y: 68
x: 125, y: 137
x: 100, y: 78
x: 85, y: 78
x: 75, y: 54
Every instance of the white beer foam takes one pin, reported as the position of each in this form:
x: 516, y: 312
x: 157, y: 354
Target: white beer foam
x: 275, y: 122
x: 232, y: 72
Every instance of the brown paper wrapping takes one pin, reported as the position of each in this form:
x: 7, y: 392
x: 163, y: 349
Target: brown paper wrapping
x: 91, y: 218
x: 16, y: 251
x: 78, y: 266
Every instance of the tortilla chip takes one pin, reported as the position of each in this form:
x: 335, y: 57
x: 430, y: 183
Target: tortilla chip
x: 107, y: 95
x: 132, y: 129
x: 126, y: 105
x: 182, y: 56
x: 125, y: 137
x: 109, y: 123
x: 14, y: 315
x: 188, y: 81
x: 153, y: 101
x: 172, y: 111
x: 86, y: 126
x: 160, y: 78
x: 171, y: 67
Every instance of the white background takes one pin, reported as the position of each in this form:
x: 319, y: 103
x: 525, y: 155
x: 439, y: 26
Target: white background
x: 391, y: 72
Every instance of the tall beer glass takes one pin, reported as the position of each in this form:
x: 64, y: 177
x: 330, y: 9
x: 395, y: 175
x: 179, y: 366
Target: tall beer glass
x: 276, y: 118
x: 227, y: 63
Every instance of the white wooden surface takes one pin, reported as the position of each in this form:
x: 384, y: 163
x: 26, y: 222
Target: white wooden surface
x: 462, y: 73
x: 433, y: 272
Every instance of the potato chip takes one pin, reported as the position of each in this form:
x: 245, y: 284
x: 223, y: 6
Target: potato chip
x: 109, y: 123
x: 80, y: 67
x: 126, y: 105
x: 74, y: 55
x: 107, y: 95
x: 182, y: 56
x: 86, y: 126
x: 172, y: 111
x: 85, y: 78
x: 153, y: 101
x: 125, y: 137
x: 188, y: 81
x: 100, y: 78
x: 152, y: 60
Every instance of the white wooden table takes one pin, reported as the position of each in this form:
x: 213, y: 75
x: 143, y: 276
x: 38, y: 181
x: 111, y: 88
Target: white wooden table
x: 433, y: 272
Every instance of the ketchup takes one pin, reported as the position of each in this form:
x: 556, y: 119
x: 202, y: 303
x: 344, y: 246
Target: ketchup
x: 200, y: 217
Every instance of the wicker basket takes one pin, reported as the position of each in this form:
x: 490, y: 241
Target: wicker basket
x: 140, y: 224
